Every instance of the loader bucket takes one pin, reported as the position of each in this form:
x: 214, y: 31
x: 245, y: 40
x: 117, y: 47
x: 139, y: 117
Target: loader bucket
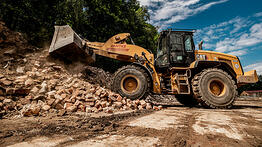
x: 68, y: 45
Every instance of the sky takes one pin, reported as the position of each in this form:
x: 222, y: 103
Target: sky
x: 228, y: 26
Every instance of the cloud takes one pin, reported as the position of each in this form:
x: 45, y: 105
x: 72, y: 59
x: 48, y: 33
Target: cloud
x: 233, y: 36
x: 166, y: 12
x: 251, y: 38
x: 256, y: 66
x: 238, y: 53
x: 145, y: 2
x: 148, y: 2
x: 258, y: 14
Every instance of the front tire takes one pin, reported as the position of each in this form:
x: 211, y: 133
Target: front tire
x: 131, y: 82
x: 214, y: 88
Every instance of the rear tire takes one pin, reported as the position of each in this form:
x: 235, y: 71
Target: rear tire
x: 186, y: 100
x: 214, y: 88
x: 131, y: 82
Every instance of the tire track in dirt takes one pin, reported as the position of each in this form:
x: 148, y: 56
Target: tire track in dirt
x: 252, y: 133
x: 177, y: 134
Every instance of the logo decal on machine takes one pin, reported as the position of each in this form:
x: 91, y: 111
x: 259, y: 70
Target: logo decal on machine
x: 118, y: 47
x: 201, y: 57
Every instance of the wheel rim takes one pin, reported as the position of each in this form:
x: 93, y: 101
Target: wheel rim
x: 217, y: 88
x: 129, y: 84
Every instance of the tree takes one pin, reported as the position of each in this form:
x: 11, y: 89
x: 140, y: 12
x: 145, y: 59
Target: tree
x: 96, y: 20
x: 32, y: 17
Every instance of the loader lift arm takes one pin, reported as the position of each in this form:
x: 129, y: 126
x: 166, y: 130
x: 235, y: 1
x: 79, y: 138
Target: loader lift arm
x: 66, y: 41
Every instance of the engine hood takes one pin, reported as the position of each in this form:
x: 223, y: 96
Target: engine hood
x: 213, y: 54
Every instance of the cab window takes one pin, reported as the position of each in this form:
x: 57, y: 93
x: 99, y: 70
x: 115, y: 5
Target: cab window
x: 162, y: 48
x: 188, y: 44
x: 162, y: 56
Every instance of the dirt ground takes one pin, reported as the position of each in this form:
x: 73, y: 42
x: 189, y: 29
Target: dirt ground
x: 174, y: 126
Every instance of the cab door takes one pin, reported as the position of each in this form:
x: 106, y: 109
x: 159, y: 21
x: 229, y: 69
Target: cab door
x: 181, y: 49
x: 189, y: 49
x: 176, y: 46
x: 162, y: 58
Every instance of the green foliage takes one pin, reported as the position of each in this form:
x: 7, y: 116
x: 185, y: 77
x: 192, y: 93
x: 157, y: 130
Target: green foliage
x: 32, y: 17
x: 255, y: 86
x: 95, y: 20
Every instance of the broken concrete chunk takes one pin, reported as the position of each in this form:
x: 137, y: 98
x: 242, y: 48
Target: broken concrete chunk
x: 25, y: 101
x: 7, y: 101
x: 6, y: 82
x: 61, y: 113
x: 53, y: 82
x: 137, y: 102
x: 34, y: 90
x: 59, y: 106
x: 98, y: 92
x: 2, y: 98
x: 89, y: 109
x: 51, y: 94
x: 118, y: 105
x: 140, y: 107
x: 119, y: 98
x: 109, y: 110
x: 25, y: 111
x: 20, y: 69
x: 148, y: 106
x: 103, y: 104
x: 40, y: 103
x: 91, y: 103
x: 143, y: 103
x: 71, y: 108
x: 37, y: 64
x: 77, y: 103
x: 63, y: 96
x: 50, y: 102
x: 81, y: 108
x: 67, y: 105
x: 29, y: 82
x: 39, y: 97
x: 46, y: 107
x: 43, y: 88
x: 56, y: 67
x: 35, y: 109
x: 10, y: 91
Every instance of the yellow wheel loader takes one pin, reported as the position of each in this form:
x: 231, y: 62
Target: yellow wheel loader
x: 193, y: 76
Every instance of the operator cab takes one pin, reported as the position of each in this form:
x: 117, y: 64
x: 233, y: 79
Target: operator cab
x: 175, y: 49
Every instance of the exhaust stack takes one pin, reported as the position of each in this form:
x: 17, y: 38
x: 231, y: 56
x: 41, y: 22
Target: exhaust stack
x: 200, y: 45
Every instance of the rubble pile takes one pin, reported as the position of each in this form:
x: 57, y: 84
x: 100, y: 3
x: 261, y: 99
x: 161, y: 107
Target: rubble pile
x: 35, y: 85
x: 48, y: 87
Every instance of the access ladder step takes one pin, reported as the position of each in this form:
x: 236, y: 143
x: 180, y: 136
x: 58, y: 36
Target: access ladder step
x: 183, y: 84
